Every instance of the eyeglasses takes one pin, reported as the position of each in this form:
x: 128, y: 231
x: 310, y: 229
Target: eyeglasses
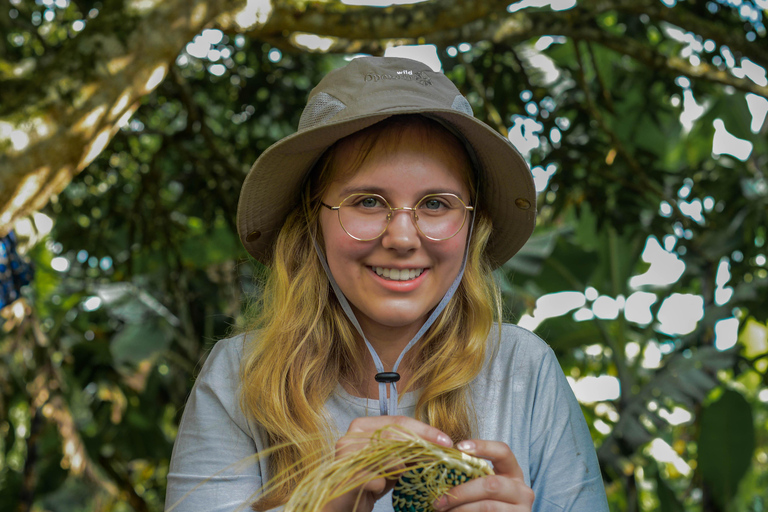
x: 365, y: 217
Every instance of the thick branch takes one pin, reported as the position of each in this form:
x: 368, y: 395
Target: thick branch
x: 60, y: 136
x: 681, y: 15
x: 719, y: 32
x: 415, y: 21
x: 519, y: 26
x: 62, y: 126
x: 651, y: 58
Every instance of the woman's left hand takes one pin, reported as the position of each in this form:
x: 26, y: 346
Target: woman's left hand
x: 502, y: 492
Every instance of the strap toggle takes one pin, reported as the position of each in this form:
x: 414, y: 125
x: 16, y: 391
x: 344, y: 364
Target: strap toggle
x: 387, y: 377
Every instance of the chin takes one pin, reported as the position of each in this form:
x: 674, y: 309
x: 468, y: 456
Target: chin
x: 395, y: 318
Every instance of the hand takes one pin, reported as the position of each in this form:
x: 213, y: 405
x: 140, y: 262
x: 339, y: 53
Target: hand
x: 361, y: 428
x: 505, y: 491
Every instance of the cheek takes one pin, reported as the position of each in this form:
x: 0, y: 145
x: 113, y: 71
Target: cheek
x: 340, y: 248
x: 343, y: 250
x: 452, y: 251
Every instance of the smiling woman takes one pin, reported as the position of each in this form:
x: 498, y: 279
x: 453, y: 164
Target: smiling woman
x: 381, y: 221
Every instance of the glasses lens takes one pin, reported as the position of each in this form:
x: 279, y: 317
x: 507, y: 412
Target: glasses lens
x: 364, y: 216
x: 440, y: 216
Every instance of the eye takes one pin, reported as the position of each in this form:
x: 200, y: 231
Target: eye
x: 433, y: 204
x: 366, y: 202
x: 437, y: 204
x: 370, y: 202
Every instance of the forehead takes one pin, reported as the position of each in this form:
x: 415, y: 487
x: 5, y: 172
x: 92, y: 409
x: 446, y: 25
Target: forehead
x: 404, y: 147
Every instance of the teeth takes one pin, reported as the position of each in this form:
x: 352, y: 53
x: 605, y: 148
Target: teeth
x: 398, y: 275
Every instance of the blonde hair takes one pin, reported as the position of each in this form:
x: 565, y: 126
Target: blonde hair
x: 300, y: 343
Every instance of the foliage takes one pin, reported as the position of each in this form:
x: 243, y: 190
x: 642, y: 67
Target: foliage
x: 98, y: 360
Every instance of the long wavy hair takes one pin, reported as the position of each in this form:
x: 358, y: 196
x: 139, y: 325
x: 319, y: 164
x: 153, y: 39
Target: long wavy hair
x: 300, y: 344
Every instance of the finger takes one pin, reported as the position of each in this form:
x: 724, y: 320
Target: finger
x: 376, y: 486
x: 388, y: 485
x: 504, y: 461
x: 371, y: 424
x: 493, y: 488
x: 491, y: 506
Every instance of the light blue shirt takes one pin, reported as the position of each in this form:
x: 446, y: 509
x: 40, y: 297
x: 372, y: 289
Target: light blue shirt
x: 521, y: 398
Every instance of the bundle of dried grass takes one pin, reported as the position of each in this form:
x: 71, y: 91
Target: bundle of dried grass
x: 425, y: 471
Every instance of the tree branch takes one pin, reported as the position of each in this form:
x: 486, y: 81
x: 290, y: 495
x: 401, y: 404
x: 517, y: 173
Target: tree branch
x: 493, y: 114
x: 79, y: 117
x: 523, y: 72
x: 606, y: 93
x: 732, y: 37
x: 647, y: 185
x: 334, y: 19
x: 681, y: 15
x: 674, y: 64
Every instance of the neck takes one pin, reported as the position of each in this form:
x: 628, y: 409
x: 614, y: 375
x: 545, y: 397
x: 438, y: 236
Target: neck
x: 388, y: 342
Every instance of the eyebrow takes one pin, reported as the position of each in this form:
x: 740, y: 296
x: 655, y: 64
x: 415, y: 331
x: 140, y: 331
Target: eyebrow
x: 347, y: 191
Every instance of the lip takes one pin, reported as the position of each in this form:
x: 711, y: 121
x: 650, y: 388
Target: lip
x: 399, y: 286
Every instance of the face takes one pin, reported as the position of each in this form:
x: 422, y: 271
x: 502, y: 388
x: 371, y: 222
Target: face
x: 403, y: 168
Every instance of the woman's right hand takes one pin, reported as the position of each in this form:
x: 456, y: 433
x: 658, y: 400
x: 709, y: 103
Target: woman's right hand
x: 361, y: 428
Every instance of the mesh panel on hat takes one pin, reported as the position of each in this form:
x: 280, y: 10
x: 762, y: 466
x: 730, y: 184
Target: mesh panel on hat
x: 320, y: 110
x: 461, y: 104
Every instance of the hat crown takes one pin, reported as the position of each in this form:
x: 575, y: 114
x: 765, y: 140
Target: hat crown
x: 373, y: 85
x: 361, y: 94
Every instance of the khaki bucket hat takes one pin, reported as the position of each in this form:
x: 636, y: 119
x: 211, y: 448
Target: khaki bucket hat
x: 364, y: 92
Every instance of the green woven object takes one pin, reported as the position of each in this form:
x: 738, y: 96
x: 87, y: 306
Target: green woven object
x: 418, y: 488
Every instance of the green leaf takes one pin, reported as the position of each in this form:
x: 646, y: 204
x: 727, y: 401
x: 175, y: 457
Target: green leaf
x: 619, y: 254
x: 725, y: 445
x: 657, y: 136
x: 694, y: 369
x: 564, y: 333
x: 211, y: 246
x: 10, y: 483
x: 697, y: 146
x: 667, y: 499
x: 754, y: 337
x: 568, y: 268
x: 734, y: 111
x: 140, y: 341
x: 586, y: 231
x: 530, y: 258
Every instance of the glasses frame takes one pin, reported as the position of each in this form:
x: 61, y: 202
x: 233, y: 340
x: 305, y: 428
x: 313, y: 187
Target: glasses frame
x: 392, y: 211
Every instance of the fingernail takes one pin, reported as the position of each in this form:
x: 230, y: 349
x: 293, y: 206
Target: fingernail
x: 466, y: 446
x: 440, y: 503
x: 444, y: 440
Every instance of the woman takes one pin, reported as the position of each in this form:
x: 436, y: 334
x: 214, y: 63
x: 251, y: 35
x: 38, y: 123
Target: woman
x: 381, y: 220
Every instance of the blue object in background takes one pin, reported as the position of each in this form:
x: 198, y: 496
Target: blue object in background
x: 14, y: 271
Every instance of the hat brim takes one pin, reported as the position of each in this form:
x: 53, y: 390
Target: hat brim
x: 273, y: 186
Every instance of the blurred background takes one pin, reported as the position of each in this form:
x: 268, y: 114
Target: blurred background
x: 127, y: 127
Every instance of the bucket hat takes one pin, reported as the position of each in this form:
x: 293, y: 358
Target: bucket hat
x: 359, y: 95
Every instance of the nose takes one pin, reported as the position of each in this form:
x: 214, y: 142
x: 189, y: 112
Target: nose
x: 401, y: 233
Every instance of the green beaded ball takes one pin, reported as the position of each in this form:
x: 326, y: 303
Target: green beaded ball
x: 417, y: 489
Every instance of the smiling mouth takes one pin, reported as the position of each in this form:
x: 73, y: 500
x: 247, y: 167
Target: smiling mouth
x: 394, y: 274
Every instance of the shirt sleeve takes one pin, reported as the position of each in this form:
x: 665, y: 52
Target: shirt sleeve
x: 212, y: 466
x: 565, y: 474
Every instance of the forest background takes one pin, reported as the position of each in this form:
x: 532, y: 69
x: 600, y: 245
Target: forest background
x: 127, y: 127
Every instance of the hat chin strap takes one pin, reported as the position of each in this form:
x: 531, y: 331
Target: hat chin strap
x: 384, y: 378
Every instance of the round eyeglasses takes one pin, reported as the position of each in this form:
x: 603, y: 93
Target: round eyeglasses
x: 365, y: 217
